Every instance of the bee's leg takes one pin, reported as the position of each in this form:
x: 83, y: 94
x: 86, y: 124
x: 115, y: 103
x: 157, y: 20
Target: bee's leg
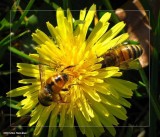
x: 71, y: 85
x: 124, y: 65
x: 61, y: 98
x: 64, y: 89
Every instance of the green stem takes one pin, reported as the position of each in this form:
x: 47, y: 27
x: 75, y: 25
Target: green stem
x: 114, y: 16
x: 13, y: 10
x: 7, y: 38
x: 150, y: 90
x: 53, y: 4
x: 144, y: 79
x: 66, y: 5
x: 17, y: 25
x: 109, y: 7
x: 21, y: 54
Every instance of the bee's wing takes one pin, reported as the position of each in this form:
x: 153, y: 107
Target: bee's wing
x: 131, y: 64
x: 135, y: 64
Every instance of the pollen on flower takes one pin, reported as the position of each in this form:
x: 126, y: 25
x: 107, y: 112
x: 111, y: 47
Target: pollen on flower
x: 69, y: 83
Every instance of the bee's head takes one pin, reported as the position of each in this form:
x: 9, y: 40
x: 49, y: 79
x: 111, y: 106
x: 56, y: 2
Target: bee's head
x: 65, y: 77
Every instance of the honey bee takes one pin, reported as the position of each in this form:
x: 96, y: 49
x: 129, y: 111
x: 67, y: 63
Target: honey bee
x: 50, y: 89
x: 122, y: 56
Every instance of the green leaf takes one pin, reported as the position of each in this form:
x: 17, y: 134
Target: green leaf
x: 1, y: 65
x: 6, y: 22
x: 5, y: 43
x: 21, y: 54
x: 8, y: 102
x: 53, y: 4
x: 32, y: 20
x: 131, y: 42
x: 27, y: 9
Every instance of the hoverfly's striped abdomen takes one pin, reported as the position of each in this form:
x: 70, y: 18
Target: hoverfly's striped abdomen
x: 120, y: 54
x: 52, y: 87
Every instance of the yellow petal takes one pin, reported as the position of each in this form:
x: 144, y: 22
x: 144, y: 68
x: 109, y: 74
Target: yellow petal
x: 80, y: 120
x: 27, y: 66
x: 83, y: 124
x: 88, y: 82
x: 89, y: 132
x: 91, y: 92
x: 53, y: 121
x: 70, y: 19
x: 40, y: 37
x: 61, y: 22
x: 117, y: 112
x: 62, y: 117
x: 124, y: 102
x: 116, y: 41
x: 106, y: 16
x: 111, y: 33
x: 27, y: 108
x: 109, y: 72
x: 96, y: 126
x: 28, y: 69
x: 35, y: 115
x: 82, y: 14
x: 88, y: 20
x: 89, y: 16
x: 53, y: 31
x: 52, y: 131
x: 98, y: 107
x: 69, y: 129
x: 32, y: 93
x: 29, y: 81
x: 96, y: 33
x: 107, y: 100
x: 83, y: 109
x: 87, y: 109
x: 101, y: 48
x: 21, y: 90
x: 120, y: 87
x: 69, y: 132
x: 42, y: 120
x: 108, y: 125
x: 113, y: 91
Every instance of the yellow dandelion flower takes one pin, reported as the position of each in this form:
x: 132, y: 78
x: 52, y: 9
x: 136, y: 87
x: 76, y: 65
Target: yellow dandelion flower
x: 69, y: 87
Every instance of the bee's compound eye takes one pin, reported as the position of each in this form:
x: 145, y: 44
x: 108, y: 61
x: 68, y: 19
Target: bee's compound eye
x: 65, y: 77
x: 58, y: 78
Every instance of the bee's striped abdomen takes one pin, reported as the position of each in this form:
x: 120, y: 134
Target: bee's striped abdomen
x: 120, y: 54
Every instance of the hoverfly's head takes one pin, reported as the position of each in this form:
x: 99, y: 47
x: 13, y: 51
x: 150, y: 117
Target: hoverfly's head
x: 65, y: 77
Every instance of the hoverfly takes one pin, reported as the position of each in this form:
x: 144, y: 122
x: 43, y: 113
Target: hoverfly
x: 123, y: 56
x: 50, y: 88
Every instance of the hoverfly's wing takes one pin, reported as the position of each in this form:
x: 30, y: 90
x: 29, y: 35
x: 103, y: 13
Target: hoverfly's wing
x: 45, y: 70
x: 41, y: 73
x: 131, y: 64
